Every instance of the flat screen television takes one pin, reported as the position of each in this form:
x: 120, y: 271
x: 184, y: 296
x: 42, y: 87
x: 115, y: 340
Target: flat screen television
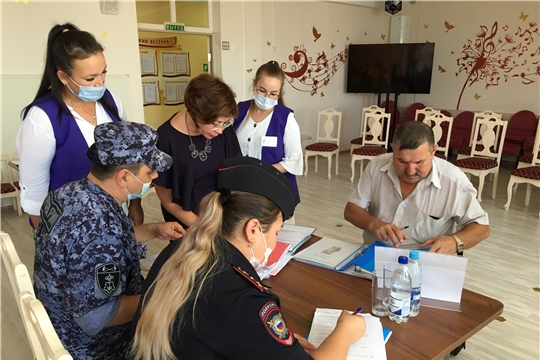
x: 390, y: 68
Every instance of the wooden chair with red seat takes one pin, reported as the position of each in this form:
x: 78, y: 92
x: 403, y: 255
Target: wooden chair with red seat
x: 357, y: 142
x: 521, y: 126
x: 487, y: 114
x: 486, y: 152
x: 330, y: 122
x: 10, y: 189
x: 376, y: 123
x: 441, y: 125
x: 527, y: 174
x: 410, y: 114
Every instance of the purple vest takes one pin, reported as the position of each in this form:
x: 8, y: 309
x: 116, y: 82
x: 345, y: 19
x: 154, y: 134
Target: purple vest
x: 276, y: 128
x: 69, y: 162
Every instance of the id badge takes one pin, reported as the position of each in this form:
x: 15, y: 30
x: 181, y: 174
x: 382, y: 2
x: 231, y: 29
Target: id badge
x: 269, y: 141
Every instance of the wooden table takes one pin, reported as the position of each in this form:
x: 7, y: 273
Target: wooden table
x: 431, y: 335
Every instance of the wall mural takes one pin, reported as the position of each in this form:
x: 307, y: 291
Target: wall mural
x: 500, y: 55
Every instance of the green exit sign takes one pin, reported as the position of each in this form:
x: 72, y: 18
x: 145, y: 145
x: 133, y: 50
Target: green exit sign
x: 174, y: 26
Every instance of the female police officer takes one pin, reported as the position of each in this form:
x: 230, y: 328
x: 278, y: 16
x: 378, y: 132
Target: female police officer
x: 205, y: 300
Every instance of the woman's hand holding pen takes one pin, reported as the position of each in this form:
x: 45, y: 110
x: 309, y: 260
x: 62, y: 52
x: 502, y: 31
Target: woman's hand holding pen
x: 388, y: 231
x: 353, y: 324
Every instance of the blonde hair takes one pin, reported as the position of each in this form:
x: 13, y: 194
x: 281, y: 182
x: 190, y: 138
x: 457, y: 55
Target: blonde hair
x: 181, y: 279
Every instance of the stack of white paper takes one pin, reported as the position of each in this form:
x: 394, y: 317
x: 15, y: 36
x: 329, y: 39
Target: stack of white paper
x: 370, y: 346
x: 295, y: 235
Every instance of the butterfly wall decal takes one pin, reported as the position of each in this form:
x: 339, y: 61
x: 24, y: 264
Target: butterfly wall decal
x: 448, y: 26
x: 315, y: 34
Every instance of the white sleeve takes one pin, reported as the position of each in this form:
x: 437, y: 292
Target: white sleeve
x: 36, y: 146
x: 293, y: 161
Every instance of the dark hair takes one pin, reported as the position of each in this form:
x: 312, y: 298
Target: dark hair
x: 207, y: 97
x: 411, y: 134
x: 105, y: 172
x: 65, y: 44
x: 272, y: 70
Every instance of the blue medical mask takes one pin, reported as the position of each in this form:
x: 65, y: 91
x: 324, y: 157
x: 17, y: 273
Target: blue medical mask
x: 257, y: 265
x: 144, y: 190
x: 88, y: 93
x: 263, y: 102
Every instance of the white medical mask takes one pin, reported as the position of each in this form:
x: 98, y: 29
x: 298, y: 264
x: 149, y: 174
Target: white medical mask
x: 88, y: 93
x: 263, y: 102
x: 257, y: 265
x: 144, y: 190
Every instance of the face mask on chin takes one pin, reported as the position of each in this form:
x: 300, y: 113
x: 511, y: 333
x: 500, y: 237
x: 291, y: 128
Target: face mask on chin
x: 263, y: 102
x: 88, y: 93
x: 144, y: 190
x: 257, y: 265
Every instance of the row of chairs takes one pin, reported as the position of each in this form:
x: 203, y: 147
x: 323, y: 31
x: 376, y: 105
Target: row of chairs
x: 10, y: 189
x: 481, y: 156
x: 43, y: 339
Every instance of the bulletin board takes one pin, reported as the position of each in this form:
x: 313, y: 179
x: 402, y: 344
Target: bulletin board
x: 168, y: 61
x: 165, y: 70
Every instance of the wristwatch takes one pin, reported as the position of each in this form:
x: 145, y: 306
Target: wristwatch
x: 459, y: 245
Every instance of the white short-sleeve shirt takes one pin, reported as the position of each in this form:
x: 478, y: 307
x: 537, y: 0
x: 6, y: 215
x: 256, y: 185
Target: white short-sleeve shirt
x: 443, y: 199
x: 252, y: 138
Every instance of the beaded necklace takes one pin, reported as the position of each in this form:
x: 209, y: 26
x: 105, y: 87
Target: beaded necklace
x: 203, y: 154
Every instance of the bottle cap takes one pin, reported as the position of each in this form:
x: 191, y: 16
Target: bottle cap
x: 403, y: 260
x: 415, y: 255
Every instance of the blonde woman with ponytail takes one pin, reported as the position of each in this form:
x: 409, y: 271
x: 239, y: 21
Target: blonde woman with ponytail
x: 203, y: 298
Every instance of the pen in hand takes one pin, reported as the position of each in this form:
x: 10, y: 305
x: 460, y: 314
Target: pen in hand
x: 359, y: 310
x: 403, y: 228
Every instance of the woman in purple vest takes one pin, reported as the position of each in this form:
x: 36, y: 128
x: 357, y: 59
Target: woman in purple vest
x: 266, y: 128
x: 58, y: 126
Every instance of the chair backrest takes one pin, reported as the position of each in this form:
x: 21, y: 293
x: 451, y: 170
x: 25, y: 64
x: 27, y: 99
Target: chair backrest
x: 410, y: 114
x: 377, y: 124
x: 372, y: 108
x: 17, y: 272
x: 487, y: 115
x: 442, y: 130
x: 536, y: 147
x: 396, y: 116
x: 461, y: 130
x: 488, y: 138
x: 421, y: 113
x: 327, y: 123
x: 43, y: 338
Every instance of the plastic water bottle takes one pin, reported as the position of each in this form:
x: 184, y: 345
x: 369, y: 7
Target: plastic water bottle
x: 416, y: 276
x: 400, y: 292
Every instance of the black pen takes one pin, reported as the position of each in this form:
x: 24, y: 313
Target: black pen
x: 403, y: 228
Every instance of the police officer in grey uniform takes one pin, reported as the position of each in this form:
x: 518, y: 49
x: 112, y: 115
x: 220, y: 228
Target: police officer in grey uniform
x: 206, y: 301
x: 87, y: 271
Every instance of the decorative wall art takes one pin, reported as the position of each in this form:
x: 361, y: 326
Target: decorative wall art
x: 495, y: 56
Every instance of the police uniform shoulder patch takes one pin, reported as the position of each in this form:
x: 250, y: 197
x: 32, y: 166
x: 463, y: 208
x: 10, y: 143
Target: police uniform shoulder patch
x: 51, y: 211
x: 275, y: 324
x: 251, y: 279
x: 108, y: 277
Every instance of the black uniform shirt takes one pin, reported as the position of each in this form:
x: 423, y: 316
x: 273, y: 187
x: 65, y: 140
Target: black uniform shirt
x: 236, y: 316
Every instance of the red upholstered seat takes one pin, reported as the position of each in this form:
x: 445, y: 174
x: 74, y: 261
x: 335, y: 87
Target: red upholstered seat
x: 322, y: 147
x: 440, y: 154
x: 461, y: 130
x: 369, y: 151
x: 529, y: 172
x: 526, y: 159
x: 357, y: 141
x: 476, y: 163
x: 7, y: 188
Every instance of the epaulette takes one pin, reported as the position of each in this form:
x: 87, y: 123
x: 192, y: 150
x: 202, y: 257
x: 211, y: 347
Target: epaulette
x: 251, y: 279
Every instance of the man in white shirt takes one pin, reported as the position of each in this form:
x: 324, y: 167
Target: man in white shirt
x: 410, y: 197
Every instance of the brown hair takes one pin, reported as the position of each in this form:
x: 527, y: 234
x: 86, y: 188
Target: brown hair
x: 207, y: 97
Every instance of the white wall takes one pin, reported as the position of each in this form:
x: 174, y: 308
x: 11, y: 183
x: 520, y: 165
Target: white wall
x: 24, y: 33
x: 249, y: 26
